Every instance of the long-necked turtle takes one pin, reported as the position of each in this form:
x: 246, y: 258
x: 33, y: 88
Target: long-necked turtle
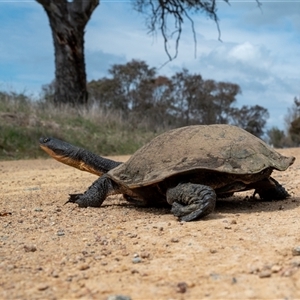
x: 188, y: 168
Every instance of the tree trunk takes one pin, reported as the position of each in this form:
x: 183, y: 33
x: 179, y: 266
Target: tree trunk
x: 67, y: 22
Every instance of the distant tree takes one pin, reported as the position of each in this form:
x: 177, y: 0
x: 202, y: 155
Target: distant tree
x: 251, y: 118
x: 108, y: 93
x: 67, y: 21
x: 200, y: 101
x: 48, y: 92
x: 162, y: 108
x: 183, y: 99
x: 185, y: 92
x: 218, y: 101
x: 276, y: 137
x: 135, y: 79
x: 292, y: 120
x: 128, y: 88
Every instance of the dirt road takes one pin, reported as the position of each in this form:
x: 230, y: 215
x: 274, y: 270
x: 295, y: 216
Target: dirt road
x: 245, y: 250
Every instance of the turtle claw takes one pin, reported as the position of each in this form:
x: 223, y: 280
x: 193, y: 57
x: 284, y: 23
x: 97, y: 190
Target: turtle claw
x: 75, y: 198
x: 180, y: 211
x: 191, y: 201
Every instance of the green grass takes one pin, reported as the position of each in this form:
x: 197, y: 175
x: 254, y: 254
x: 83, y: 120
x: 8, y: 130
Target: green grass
x: 23, y: 121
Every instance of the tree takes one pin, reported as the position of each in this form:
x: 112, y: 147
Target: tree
x: 184, y: 99
x: 128, y: 88
x: 200, y: 101
x: 251, y: 118
x: 186, y: 89
x: 292, y: 120
x: 276, y: 137
x: 67, y: 21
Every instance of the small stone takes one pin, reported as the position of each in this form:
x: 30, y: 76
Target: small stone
x: 265, y: 274
x: 60, y: 233
x: 254, y: 270
x: 213, y: 251
x: 174, y: 240
x: 133, y: 235
x: 124, y: 252
x: 296, y: 251
x: 30, y: 248
x: 276, y: 268
x: 55, y: 274
x: 38, y: 209
x: 84, y: 267
x: 227, y: 227
x: 181, y: 287
x: 233, y: 222
x: 43, y: 287
x: 136, y: 260
x: 118, y: 297
x: 145, y: 254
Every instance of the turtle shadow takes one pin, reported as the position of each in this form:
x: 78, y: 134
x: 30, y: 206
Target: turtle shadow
x: 231, y: 205
x: 241, y: 205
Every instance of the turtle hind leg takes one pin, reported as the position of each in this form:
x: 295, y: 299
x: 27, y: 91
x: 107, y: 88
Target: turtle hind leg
x: 96, y: 193
x: 271, y: 190
x: 191, y: 201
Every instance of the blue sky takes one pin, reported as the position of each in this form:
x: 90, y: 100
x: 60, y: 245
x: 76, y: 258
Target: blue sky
x: 260, y: 49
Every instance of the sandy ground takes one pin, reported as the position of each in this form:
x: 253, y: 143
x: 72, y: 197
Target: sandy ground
x: 244, y: 250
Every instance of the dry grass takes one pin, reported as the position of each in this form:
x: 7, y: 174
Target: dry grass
x: 23, y: 121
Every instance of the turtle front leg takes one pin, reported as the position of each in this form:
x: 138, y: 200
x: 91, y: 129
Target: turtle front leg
x: 96, y: 193
x: 191, y: 201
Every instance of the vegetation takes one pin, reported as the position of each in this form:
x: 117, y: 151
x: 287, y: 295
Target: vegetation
x: 23, y: 121
x: 290, y: 138
x: 68, y: 20
x: 134, y: 89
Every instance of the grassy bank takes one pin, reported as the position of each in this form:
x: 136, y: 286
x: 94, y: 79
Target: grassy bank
x: 23, y: 122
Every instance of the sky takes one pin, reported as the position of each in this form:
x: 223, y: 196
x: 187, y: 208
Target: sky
x: 259, y: 48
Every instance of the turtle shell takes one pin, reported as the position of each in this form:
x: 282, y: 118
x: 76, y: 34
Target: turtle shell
x: 219, y: 148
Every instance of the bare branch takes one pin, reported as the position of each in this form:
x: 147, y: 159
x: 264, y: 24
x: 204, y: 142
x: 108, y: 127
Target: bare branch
x: 160, y: 10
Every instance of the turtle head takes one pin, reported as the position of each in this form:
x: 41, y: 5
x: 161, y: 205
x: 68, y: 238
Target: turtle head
x: 62, y: 151
x: 76, y: 157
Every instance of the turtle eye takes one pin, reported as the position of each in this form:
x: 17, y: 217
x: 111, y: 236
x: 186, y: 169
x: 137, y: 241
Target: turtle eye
x: 44, y: 140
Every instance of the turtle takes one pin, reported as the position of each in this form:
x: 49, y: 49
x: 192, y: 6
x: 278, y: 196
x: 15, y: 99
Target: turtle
x: 187, y: 168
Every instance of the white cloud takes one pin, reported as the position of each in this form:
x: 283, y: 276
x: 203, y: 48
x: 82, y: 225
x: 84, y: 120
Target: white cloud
x: 246, y: 53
